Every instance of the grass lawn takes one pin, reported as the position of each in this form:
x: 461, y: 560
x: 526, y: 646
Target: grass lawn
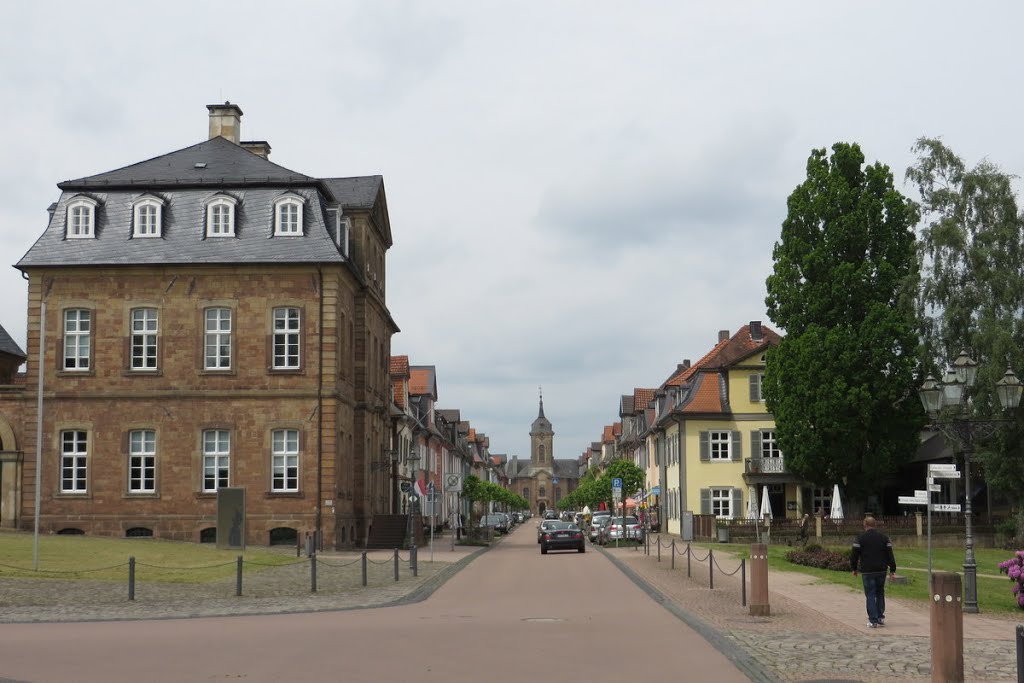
x: 97, y: 558
x: 994, y: 594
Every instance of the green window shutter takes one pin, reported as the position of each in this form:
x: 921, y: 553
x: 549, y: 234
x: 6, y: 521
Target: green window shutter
x: 705, y: 448
x: 755, y: 443
x: 705, y: 501
x: 755, y: 388
x: 736, y: 452
x: 737, y: 503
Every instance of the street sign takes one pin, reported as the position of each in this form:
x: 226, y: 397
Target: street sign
x: 555, y: 480
x: 453, y: 483
x: 946, y: 474
x: 617, y: 482
x: 942, y: 467
x: 920, y: 493
x: 946, y: 507
x: 912, y: 500
x: 406, y: 486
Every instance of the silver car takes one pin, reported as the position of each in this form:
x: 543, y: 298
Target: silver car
x: 597, y: 524
x: 633, y: 529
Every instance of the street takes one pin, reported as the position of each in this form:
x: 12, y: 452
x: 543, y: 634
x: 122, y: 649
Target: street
x: 511, y: 615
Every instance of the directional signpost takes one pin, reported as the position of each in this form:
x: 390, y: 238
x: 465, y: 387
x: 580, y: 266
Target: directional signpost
x: 617, y: 495
x: 923, y: 497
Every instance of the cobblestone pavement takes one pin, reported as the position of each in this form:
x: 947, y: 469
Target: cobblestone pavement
x: 796, y: 644
x: 800, y: 644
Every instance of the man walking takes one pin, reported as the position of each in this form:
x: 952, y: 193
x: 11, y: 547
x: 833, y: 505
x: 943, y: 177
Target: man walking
x: 873, y: 552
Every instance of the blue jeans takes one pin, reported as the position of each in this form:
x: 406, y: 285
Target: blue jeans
x: 874, y: 591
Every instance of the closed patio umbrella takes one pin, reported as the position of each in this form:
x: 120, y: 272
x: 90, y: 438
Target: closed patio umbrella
x: 837, y: 504
x: 766, y: 504
x: 751, y: 502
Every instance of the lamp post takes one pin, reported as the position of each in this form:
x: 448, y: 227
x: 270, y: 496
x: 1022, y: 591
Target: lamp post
x: 412, y: 460
x: 949, y: 408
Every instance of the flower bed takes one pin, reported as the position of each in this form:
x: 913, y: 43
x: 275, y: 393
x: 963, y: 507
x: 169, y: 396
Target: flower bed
x: 816, y: 556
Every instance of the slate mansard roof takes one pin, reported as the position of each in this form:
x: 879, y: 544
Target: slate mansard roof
x: 185, y: 180
x: 8, y: 345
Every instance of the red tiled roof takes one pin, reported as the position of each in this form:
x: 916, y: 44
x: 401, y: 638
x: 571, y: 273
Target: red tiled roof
x: 419, y: 381
x: 609, y: 434
x: 641, y: 397
x: 706, y: 398
x: 617, y: 429
x: 398, y: 392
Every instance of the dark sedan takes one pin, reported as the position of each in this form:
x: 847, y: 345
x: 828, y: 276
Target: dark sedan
x: 562, y: 536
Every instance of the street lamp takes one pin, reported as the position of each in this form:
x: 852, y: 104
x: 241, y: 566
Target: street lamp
x: 412, y: 460
x: 958, y: 426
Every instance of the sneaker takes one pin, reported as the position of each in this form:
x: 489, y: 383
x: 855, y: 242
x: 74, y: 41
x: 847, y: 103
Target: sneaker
x: 872, y: 624
x: 881, y: 621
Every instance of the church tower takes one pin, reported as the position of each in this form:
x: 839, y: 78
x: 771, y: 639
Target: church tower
x: 542, y: 441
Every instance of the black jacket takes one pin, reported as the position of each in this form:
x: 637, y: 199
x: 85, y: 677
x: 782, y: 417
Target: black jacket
x: 873, y: 551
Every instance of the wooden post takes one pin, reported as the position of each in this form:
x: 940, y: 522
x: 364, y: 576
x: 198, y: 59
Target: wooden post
x: 759, y: 606
x: 817, y: 525
x: 947, y: 628
x: 920, y: 526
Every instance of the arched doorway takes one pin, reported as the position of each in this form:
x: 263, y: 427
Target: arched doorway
x: 10, y: 476
x: 541, y: 509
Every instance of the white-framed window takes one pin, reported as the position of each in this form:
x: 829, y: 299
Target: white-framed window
x: 821, y: 500
x: 144, y: 339
x: 288, y: 216
x: 721, y: 502
x: 286, y: 337
x: 285, y: 460
x: 74, y: 461
x: 216, y: 459
x: 148, y: 214
x: 719, y: 442
x: 769, y: 446
x: 142, y: 461
x: 220, y: 217
x: 77, y: 339
x: 81, y: 218
x: 217, y: 340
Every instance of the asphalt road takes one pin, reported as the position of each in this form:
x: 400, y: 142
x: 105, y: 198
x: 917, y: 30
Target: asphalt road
x: 512, y: 615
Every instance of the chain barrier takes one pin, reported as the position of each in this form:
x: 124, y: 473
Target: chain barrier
x: 204, y: 566
x: 338, y: 565
x: 63, y: 571
x: 709, y: 557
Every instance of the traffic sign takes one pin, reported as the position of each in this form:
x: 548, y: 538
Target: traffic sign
x: 920, y: 493
x: 912, y: 500
x: 946, y: 507
x: 616, y: 482
x: 453, y: 483
x: 938, y: 467
x: 406, y: 486
x: 946, y: 474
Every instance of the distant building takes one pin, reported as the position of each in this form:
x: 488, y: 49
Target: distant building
x: 544, y: 480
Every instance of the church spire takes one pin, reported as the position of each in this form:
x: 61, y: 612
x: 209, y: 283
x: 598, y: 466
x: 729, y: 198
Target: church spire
x: 541, y: 414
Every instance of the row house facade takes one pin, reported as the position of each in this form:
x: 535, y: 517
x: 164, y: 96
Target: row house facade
x: 200, y: 320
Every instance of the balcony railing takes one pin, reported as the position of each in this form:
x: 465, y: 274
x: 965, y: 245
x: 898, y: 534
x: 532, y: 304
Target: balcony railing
x: 765, y: 465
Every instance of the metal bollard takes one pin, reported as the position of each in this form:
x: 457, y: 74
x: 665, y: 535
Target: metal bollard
x: 659, y: 548
x: 711, y: 567
x: 743, y: 582
x: 312, y: 572
x: 688, y: 552
x: 673, y: 553
x: 364, y: 567
x: 131, y: 578
x: 238, y: 577
x: 1020, y: 653
x: 415, y: 562
x: 396, y: 564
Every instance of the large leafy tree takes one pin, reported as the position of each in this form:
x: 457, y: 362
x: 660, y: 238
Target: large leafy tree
x: 842, y: 382
x: 971, y: 298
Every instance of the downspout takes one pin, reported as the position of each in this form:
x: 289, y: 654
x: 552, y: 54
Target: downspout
x: 320, y: 413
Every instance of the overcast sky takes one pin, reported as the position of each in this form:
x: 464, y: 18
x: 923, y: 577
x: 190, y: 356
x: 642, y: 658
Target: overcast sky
x: 581, y: 193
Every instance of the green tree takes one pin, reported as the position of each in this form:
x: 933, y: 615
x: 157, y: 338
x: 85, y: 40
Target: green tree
x: 842, y: 384
x: 972, y: 288
x: 632, y: 479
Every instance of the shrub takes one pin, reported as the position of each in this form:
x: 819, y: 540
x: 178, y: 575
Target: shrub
x: 1014, y: 568
x: 816, y: 556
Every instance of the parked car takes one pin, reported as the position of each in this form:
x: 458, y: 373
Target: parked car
x: 551, y: 514
x: 496, y: 521
x: 562, y: 536
x: 634, y: 530
x: 597, y: 523
x: 545, y: 526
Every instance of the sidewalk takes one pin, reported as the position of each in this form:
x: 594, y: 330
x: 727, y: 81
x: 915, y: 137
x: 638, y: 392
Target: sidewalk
x: 818, y: 630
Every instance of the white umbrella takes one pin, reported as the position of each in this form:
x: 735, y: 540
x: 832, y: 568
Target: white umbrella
x: 837, y: 504
x: 751, y: 502
x: 766, y: 504
x: 586, y: 509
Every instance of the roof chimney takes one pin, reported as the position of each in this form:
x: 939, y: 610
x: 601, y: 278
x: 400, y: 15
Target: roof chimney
x: 685, y: 365
x: 225, y: 121
x: 723, y: 335
x: 258, y: 147
x: 755, y: 330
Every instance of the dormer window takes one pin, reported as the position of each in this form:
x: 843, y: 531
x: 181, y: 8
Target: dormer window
x: 148, y: 214
x: 81, y: 219
x: 288, y: 216
x: 220, y: 217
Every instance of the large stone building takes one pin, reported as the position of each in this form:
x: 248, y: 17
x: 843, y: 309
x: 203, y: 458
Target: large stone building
x: 544, y: 479
x: 207, y: 319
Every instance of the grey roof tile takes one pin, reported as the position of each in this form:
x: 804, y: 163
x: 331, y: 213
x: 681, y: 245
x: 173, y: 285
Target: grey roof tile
x: 355, y: 193
x: 7, y: 344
